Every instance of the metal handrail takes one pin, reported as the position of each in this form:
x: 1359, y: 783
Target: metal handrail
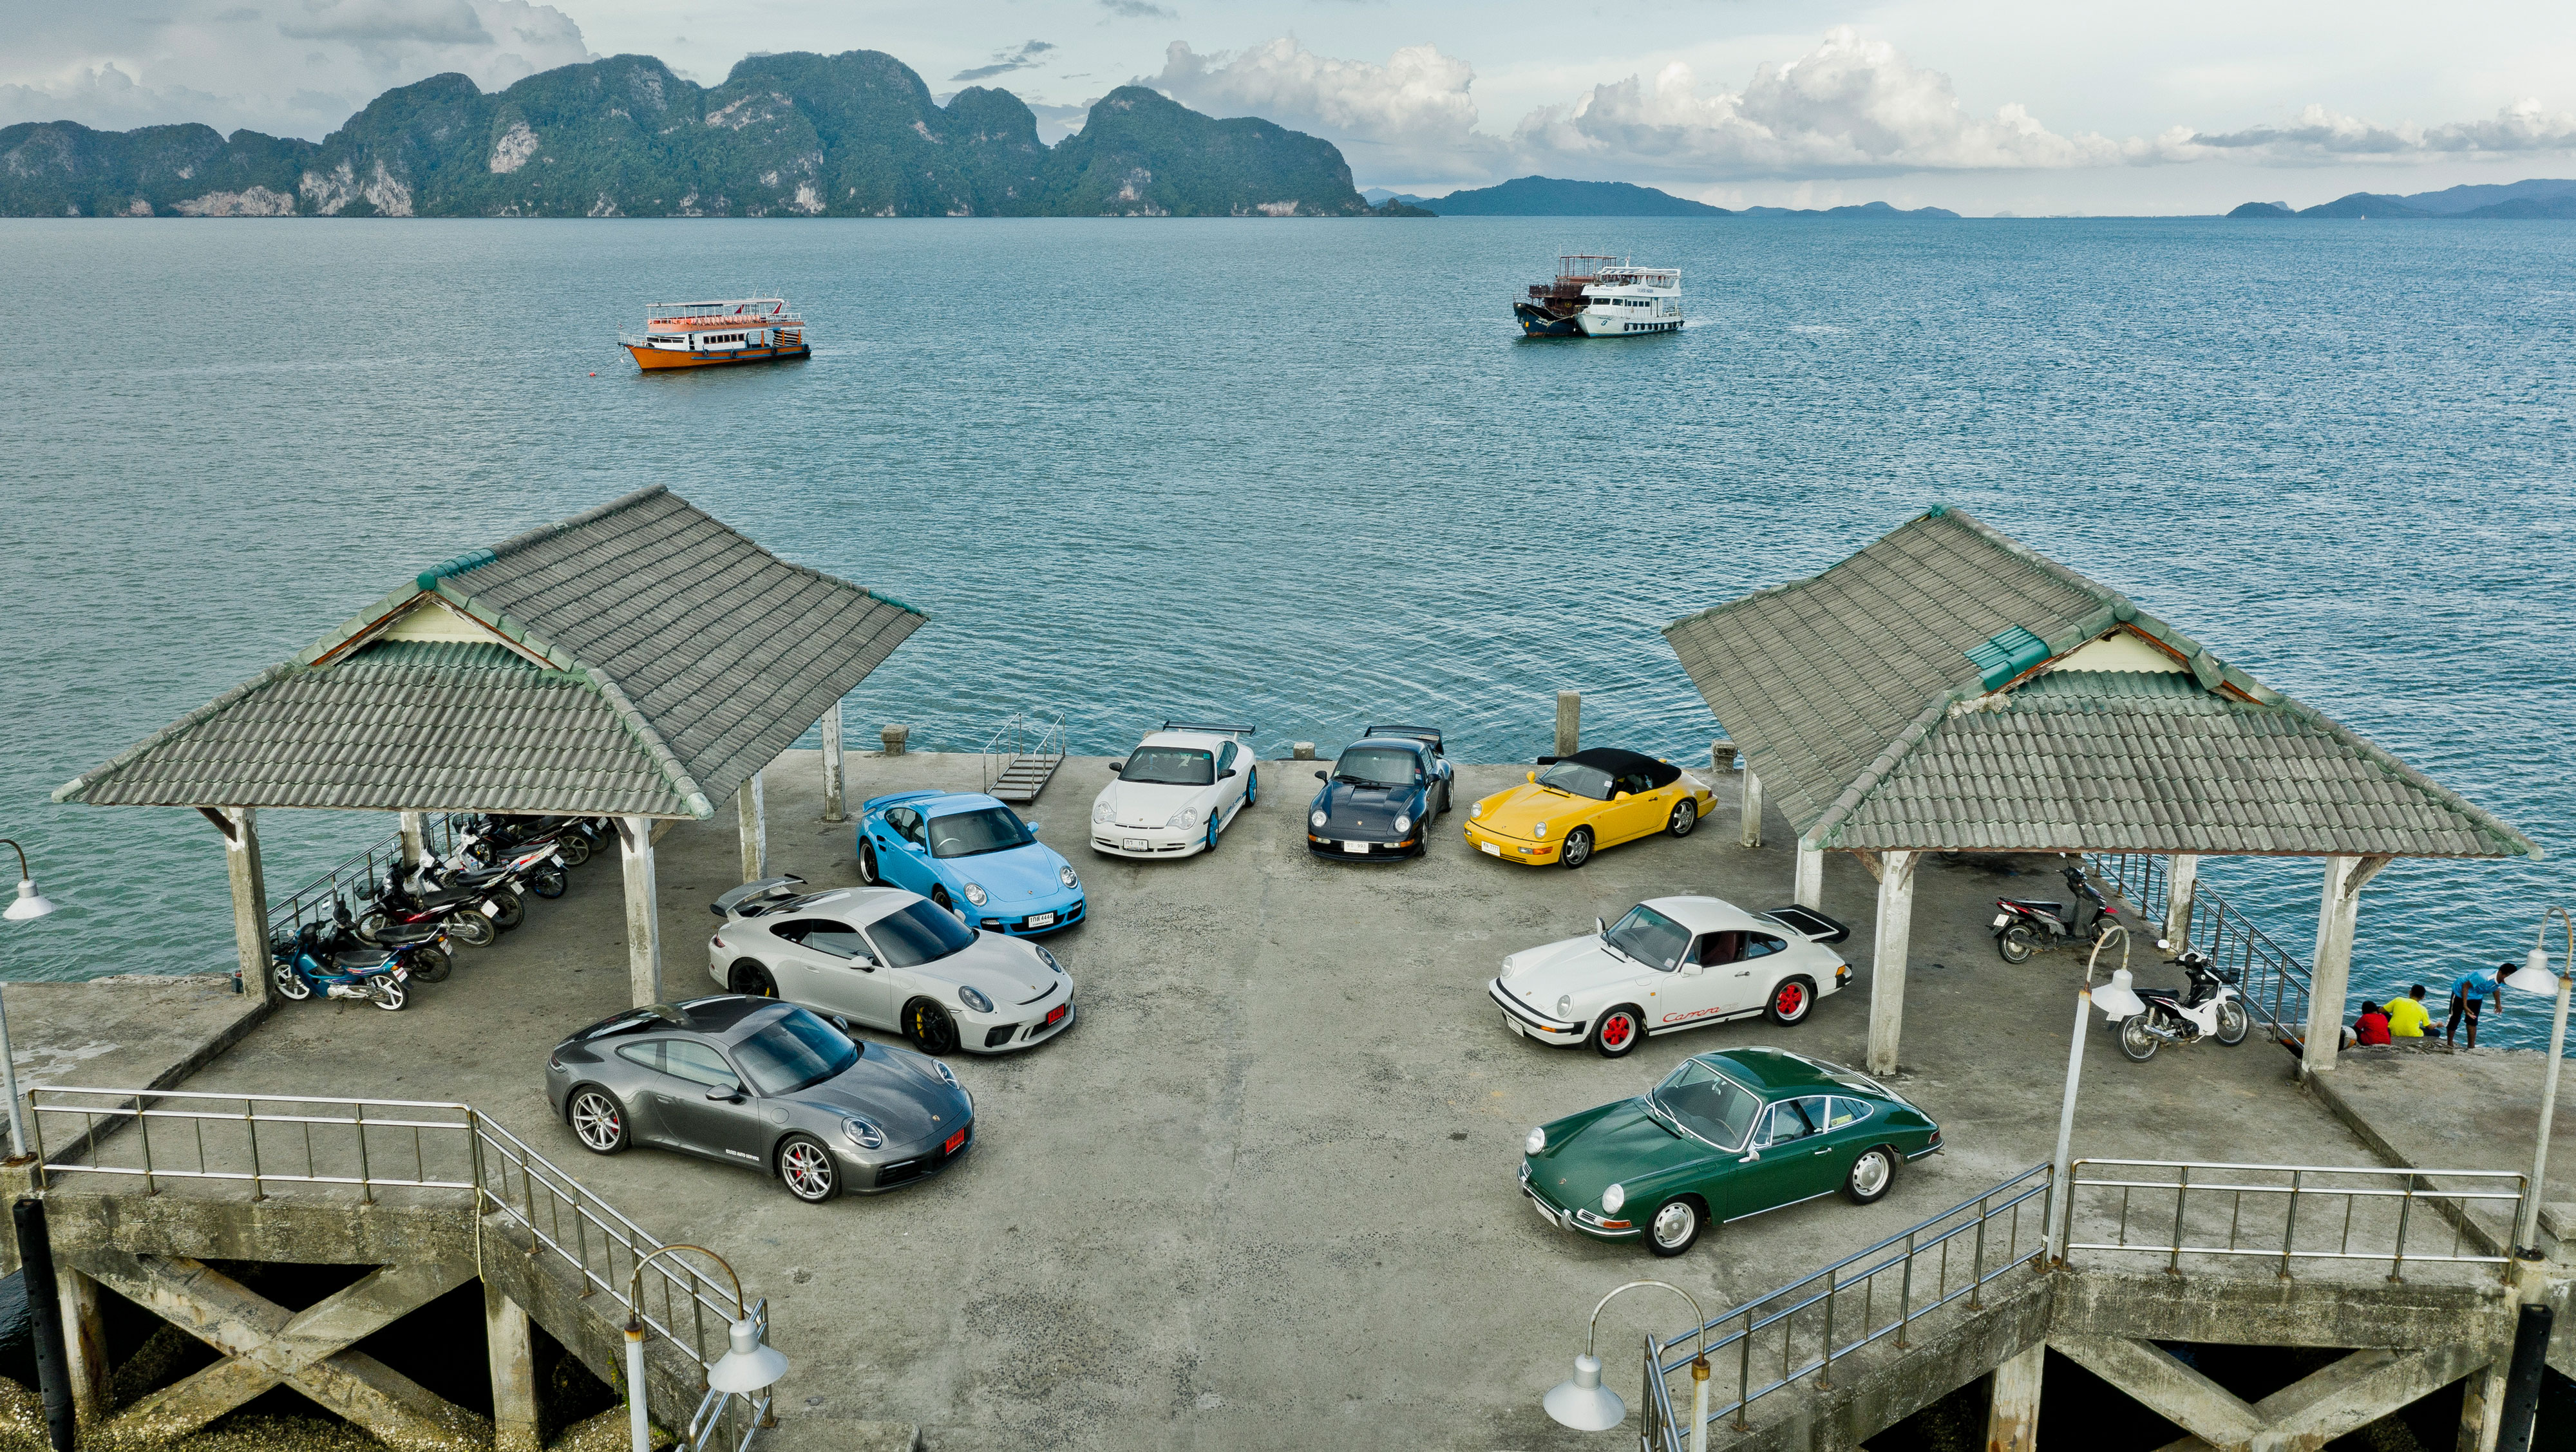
x: 2270, y: 980
x: 1027, y: 733
x: 2412, y: 1187
x: 353, y: 880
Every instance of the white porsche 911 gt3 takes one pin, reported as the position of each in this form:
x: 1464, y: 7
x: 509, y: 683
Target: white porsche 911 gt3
x: 1177, y: 792
x: 1671, y: 963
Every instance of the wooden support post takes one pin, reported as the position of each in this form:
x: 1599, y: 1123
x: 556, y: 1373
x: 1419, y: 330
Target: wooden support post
x: 2182, y: 879
x: 250, y: 900
x: 1569, y: 722
x: 1751, y: 836
x: 1887, y: 961
x: 643, y: 913
x: 512, y: 1352
x: 84, y: 1346
x: 752, y: 814
x: 2329, y: 978
x: 414, y: 837
x: 2012, y: 1413
x: 833, y: 803
x: 1809, y: 890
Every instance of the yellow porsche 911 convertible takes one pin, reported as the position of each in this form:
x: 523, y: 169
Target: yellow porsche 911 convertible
x: 1579, y: 804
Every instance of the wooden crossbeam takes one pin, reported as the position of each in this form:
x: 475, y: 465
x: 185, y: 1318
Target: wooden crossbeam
x: 266, y: 1345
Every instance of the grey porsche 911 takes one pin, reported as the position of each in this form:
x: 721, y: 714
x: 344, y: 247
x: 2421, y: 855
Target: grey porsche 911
x: 756, y: 1082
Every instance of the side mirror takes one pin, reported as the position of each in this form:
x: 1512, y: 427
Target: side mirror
x: 1323, y: 776
x: 1033, y: 828
x: 722, y: 1095
x: 1600, y: 929
x: 1748, y: 1157
x: 1691, y: 970
x: 1621, y: 797
x: 1117, y: 767
x: 1530, y: 777
x: 1222, y: 775
x: 838, y: 1022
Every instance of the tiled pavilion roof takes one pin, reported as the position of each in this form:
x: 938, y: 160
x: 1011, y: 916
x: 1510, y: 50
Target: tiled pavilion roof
x: 1948, y: 689
x: 639, y: 659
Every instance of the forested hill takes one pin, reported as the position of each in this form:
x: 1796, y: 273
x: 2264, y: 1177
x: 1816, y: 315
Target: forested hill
x: 797, y: 134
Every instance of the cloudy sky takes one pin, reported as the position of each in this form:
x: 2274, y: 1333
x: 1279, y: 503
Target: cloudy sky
x: 2191, y: 105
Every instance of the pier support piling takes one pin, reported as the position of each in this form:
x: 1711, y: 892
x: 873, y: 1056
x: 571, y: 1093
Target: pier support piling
x: 250, y: 897
x: 415, y: 843
x: 1887, y: 959
x: 1809, y: 890
x: 2012, y: 1412
x: 1751, y: 836
x: 2338, y: 912
x: 1569, y: 722
x: 643, y: 917
x: 2182, y: 879
x: 833, y: 799
x: 84, y: 1346
x: 752, y: 812
x: 512, y: 1352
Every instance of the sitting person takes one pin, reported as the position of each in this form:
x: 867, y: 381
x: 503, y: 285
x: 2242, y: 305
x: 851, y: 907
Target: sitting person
x: 2408, y: 1017
x: 2373, y: 1025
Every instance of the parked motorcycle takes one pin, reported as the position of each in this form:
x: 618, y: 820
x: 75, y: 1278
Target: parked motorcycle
x: 2023, y: 926
x: 425, y: 942
x: 2208, y: 1007
x: 312, y: 960
x: 490, y: 838
x: 468, y: 914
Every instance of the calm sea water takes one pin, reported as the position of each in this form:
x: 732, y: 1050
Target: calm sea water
x: 1300, y: 474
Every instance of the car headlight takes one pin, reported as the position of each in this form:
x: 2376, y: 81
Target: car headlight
x: 1613, y: 1198
x: 1065, y: 876
x: 1047, y: 958
x: 1100, y: 810
x: 1185, y: 817
x: 1565, y: 1005
x: 973, y: 999
x: 946, y: 1074
x: 1537, y: 1141
x: 863, y: 1134
x: 1539, y: 831
x: 1477, y: 810
x: 1319, y: 819
x: 1403, y: 823
x: 975, y: 893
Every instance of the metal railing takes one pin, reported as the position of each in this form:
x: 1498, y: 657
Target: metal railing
x: 1025, y: 734
x: 354, y: 880
x: 2271, y: 980
x: 265, y: 1142
x: 1798, y: 1332
x: 2175, y: 1209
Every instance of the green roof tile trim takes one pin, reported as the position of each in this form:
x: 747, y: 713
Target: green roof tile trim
x: 1857, y: 697
x: 899, y: 604
x: 453, y: 565
x: 2006, y: 654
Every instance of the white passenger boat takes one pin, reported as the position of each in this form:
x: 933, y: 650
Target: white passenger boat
x: 1597, y: 297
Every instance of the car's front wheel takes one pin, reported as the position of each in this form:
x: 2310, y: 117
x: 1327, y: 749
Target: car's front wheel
x: 1578, y: 847
x: 808, y: 1170
x: 1685, y: 817
x: 1870, y: 1176
x: 749, y: 977
x: 1676, y: 1225
x: 598, y: 1120
x: 929, y: 1027
x: 1618, y: 1031
x: 1791, y: 1001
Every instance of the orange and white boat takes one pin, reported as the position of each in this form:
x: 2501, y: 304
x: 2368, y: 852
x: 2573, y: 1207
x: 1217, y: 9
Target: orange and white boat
x: 704, y: 334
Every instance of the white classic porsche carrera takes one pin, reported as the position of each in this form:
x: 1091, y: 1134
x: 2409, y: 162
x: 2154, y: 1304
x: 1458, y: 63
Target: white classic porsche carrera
x: 1671, y: 963
x: 1177, y: 792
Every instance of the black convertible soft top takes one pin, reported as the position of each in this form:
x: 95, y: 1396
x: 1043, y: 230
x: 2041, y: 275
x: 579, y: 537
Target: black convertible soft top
x: 1621, y: 763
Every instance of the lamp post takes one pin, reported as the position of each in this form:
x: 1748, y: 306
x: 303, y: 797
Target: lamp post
x: 2117, y: 1000
x: 27, y: 905
x: 2534, y: 977
x: 749, y: 1364
x: 1587, y: 1406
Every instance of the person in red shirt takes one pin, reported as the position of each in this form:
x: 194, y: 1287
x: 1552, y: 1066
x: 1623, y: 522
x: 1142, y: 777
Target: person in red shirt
x: 2373, y: 1027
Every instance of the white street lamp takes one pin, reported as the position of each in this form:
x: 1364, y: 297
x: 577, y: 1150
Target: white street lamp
x: 1587, y: 1406
x: 2534, y: 977
x: 28, y: 905
x: 748, y: 1367
x: 2117, y: 1001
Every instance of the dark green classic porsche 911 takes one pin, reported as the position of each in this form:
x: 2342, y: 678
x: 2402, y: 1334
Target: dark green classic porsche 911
x: 1727, y: 1135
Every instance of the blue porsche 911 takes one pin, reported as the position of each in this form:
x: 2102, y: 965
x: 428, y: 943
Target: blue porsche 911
x: 1380, y: 796
x: 972, y: 855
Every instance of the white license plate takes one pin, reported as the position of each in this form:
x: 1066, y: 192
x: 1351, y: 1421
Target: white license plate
x: 1545, y: 1213
x: 1514, y: 1025
x: 1358, y: 847
x: 1137, y: 844
x: 1042, y: 920
x: 490, y: 910
x: 2002, y: 918
x: 1490, y: 849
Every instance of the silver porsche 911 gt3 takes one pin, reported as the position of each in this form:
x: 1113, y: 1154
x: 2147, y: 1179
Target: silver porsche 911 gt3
x: 756, y: 1082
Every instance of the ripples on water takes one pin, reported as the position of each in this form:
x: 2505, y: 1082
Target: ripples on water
x: 1302, y: 474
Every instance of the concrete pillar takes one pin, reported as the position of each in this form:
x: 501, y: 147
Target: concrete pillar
x: 752, y: 814
x: 514, y: 1373
x: 84, y: 1346
x: 2012, y: 1414
x: 2182, y: 878
x: 2330, y: 975
x: 250, y: 899
x: 1887, y: 960
x: 2482, y: 1404
x: 1569, y: 722
x: 1752, y: 833
x: 894, y: 737
x: 1809, y: 890
x: 415, y: 844
x: 832, y: 794
x: 643, y: 914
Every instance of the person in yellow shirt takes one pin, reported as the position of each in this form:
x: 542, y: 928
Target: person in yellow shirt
x: 2407, y: 1016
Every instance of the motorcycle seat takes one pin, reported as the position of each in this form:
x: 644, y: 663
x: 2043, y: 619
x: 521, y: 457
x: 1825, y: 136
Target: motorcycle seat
x: 407, y: 933
x: 362, y: 958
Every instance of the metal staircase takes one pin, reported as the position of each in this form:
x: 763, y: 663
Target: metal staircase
x: 1022, y: 754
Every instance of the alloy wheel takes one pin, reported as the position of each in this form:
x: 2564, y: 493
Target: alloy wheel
x: 598, y: 1122
x: 808, y: 1170
x: 1617, y: 1032
x: 1578, y: 847
x: 867, y: 864
x: 291, y: 984
x: 1685, y: 817
x: 1791, y: 1000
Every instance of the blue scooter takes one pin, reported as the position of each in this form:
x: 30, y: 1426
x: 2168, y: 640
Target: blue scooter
x: 313, y: 961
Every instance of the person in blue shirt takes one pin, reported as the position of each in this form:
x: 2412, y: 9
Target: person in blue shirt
x: 2469, y: 994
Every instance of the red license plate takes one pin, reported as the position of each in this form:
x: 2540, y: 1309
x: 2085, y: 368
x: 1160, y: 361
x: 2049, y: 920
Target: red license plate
x: 1056, y: 1014
x: 954, y: 1141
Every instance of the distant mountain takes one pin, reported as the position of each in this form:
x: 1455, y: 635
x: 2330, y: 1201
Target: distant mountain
x: 797, y: 134
x: 1871, y: 210
x: 1546, y: 196
x: 2522, y: 199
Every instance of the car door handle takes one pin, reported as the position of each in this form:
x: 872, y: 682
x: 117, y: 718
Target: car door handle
x: 1829, y: 1149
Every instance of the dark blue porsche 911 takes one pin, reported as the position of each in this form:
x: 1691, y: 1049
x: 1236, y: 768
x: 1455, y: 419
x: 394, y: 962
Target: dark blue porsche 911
x: 1380, y: 796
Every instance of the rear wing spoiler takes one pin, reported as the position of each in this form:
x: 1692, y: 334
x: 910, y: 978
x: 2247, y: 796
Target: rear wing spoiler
x: 755, y: 894
x: 1428, y: 735
x: 1810, y: 922
x: 1210, y: 728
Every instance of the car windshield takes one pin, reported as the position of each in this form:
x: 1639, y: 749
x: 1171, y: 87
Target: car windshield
x: 1707, y: 1103
x: 966, y: 834
x: 1575, y: 777
x: 1651, y: 938
x: 1376, y: 766
x: 918, y: 933
x: 1170, y: 765
x: 797, y: 1052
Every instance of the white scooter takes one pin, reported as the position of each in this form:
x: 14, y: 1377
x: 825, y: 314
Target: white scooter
x: 2208, y: 1008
